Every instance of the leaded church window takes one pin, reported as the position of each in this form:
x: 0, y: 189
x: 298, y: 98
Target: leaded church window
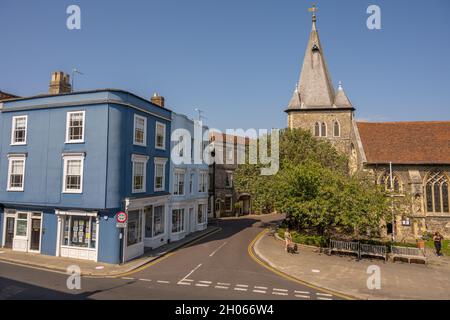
x: 436, y: 192
x: 317, y: 129
x: 336, y: 129
x: 392, y: 186
x: 323, y: 130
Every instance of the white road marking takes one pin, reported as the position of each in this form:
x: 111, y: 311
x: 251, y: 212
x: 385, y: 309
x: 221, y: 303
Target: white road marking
x: 280, y: 293
x: 315, y: 270
x: 189, y: 280
x: 301, y: 292
x: 258, y: 287
x: 283, y: 290
x: 209, y: 282
x: 320, y: 298
x: 184, y: 283
x: 221, y: 287
x: 127, y: 278
x: 242, y: 285
x: 191, y: 272
x: 201, y: 285
x: 324, y: 294
x: 162, y: 281
x: 147, y: 280
x: 223, y: 284
x: 240, y: 289
x: 220, y: 247
x: 302, y: 296
x: 259, y: 291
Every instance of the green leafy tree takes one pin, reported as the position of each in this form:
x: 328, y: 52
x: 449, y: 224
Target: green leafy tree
x: 314, y: 190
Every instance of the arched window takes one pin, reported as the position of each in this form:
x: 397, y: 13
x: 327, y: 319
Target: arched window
x: 323, y: 131
x: 317, y: 129
x: 396, y: 187
x: 436, y: 192
x: 336, y: 129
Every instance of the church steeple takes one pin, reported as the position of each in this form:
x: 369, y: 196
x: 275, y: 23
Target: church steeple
x: 315, y: 85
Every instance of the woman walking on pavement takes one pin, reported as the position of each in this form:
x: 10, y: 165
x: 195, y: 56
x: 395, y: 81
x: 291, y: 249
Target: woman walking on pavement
x: 437, y: 238
x: 287, y: 239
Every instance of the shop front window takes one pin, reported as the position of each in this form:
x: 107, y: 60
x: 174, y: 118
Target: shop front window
x: 22, y: 225
x: 79, y: 231
x: 177, y: 220
x: 134, y: 227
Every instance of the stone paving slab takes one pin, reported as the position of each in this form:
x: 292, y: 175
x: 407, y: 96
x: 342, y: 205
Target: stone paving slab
x: 349, y: 276
x: 92, y: 268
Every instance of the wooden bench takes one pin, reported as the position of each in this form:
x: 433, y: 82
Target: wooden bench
x: 408, y: 253
x: 373, y: 250
x: 359, y: 249
x: 344, y: 247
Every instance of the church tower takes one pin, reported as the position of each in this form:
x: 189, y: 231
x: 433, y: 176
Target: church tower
x: 315, y: 105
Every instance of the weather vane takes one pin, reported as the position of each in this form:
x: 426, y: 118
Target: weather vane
x: 313, y: 9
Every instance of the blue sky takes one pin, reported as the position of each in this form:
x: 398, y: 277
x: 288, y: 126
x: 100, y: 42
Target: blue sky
x: 236, y: 60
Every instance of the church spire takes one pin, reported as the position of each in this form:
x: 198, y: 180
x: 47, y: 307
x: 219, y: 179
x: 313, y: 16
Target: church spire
x: 315, y: 85
x: 341, y: 99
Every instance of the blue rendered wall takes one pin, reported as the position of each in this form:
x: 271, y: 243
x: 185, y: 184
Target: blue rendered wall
x: 49, y: 232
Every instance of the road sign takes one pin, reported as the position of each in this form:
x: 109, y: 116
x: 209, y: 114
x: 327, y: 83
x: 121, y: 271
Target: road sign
x: 121, y: 224
x: 121, y: 217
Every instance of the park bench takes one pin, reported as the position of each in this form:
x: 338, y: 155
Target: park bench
x: 344, y: 247
x: 408, y: 253
x: 373, y: 250
x: 358, y: 248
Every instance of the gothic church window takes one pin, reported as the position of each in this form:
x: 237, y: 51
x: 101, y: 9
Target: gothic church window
x: 323, y: 131
x: 436, y: 192
x: 336, y: 129
x: 317, y: 129
x: 396, y: 185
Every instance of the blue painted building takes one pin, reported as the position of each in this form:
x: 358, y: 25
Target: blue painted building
x: 70, y: 161
x: 188, y: 206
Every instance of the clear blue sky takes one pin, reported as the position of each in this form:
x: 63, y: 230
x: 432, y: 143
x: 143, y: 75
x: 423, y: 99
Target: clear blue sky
x: 238, y: 60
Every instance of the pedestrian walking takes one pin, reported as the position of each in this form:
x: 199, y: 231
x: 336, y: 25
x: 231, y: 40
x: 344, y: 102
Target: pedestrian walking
x: 437, y: 239
x: 287, y: 238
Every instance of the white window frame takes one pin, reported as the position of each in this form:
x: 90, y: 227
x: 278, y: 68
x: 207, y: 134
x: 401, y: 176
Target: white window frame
x: 203, y: 180
x: 67, y: 127
x: 159, y: 161
x: 141, y: 159
x: 144, y: 143
x: 156, y: 135
x: 13, y: 129
x: 176, y: 182
x: 182, y: 212
x: 11, y: 158
x: 66, y: 158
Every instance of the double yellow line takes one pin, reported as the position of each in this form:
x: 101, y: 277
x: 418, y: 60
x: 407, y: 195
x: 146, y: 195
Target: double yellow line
x: 286, y: 276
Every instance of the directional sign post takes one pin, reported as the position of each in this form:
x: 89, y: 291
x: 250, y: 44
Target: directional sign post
x: 121, y: 223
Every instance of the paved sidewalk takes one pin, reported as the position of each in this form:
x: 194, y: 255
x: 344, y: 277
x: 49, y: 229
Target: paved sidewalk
x: 346, y: 275
x: 92, y: 268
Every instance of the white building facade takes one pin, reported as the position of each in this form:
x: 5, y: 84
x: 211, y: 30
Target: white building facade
x: 188, y: 186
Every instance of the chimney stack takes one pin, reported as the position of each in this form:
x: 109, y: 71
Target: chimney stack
x: 158, y: 100
x: 60, y: 83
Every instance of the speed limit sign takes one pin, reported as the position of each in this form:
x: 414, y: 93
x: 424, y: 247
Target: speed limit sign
x: 121, y: 217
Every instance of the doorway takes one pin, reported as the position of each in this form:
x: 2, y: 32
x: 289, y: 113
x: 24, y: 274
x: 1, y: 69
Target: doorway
x: 9, y: 231
x: 35, y: 239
